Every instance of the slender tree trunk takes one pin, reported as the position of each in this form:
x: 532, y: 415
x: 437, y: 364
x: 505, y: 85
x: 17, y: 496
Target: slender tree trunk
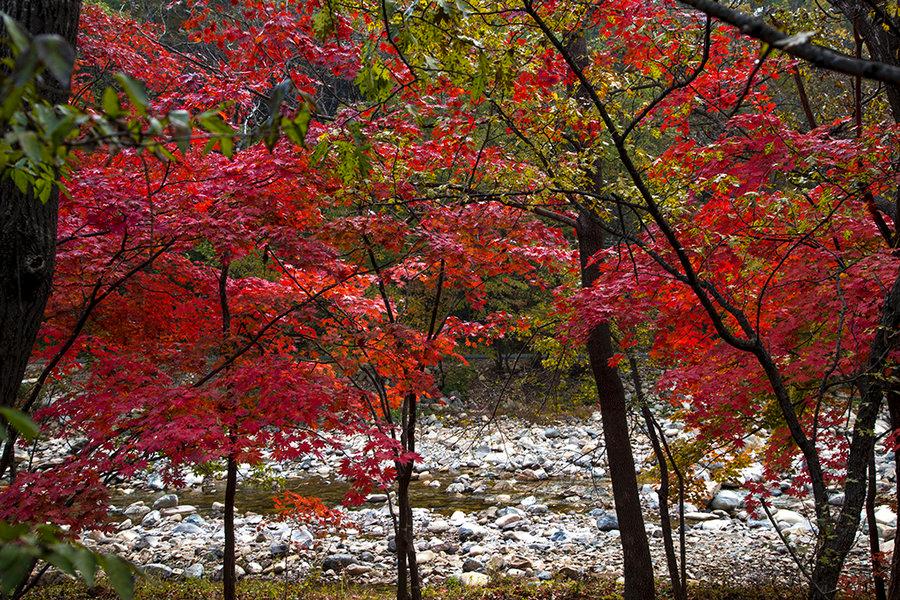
x: 409, y: 586
x: 665, y: 522
x: 874, y: 550
x: 229, y: 578
x: 894, y: 409
x: 228, y: 563
x: 831, y: 556
x: 639, y: 582
x: 401, y: 540
x: 415, y: 584
x: 28, y: 228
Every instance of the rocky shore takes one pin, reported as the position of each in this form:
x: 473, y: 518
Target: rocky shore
x: 504, y: 497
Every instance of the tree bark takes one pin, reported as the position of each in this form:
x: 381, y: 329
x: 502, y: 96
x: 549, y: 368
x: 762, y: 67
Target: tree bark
x: 894, y: 409
x: 831, y: 556
x: 639, y: 581
x: 28, y: 226
x: 228, y: 562
x: 678, y: 585
x: 874, y: 549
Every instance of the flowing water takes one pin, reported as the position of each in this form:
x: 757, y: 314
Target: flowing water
x: 560, y: 495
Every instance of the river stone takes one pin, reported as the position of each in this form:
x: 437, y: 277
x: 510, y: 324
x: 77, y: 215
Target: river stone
x: 151, y: 519
x: 470, y: 531
x: 278, y: 548
x: 508, y: 521
x: 137, y: 509
x: 474, y: 579
x: 783, y: 515
x: 535, y: 474
x: 195, y: 571
x: 438, y: 526
x: 254, y: 568
x: 423, y: 557
x: 302, y: 537
x: 727, y: 500
x: 471, y: 564
x: 836, y: 499
x: 166, y: 501
x: 182, y: 509
x: 607, y: 522
x: 559, y: 536
x: 714, y: 524
x: 885, y: 516
x: 158, y: 570
x: 337, y: 562
x: 188, y: 529
x: 126, y: 524
x: 538, y: 509
x: 354, y: 570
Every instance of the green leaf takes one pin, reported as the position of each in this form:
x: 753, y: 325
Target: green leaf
x: 111, y: 105
x: 31, y: 146
x: 226, y: 145
x: 120, y: 574
x: 57, y: 56
x: 181, y: 125
x: 20, y: 422
x: 136, y: 91
x: 61, y: 562
x: 80, y: 558
x: 21, y: 179
x: 15, y: 565
x: 323, y: 22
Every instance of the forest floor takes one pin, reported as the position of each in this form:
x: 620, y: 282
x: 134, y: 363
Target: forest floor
x: 592, y: 589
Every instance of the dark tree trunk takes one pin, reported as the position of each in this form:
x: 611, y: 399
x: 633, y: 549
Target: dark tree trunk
x: 874, y: 549
x: 28, y: 227
x: 228, y: 562
x: 831, y: 556
x: 894, y: 409
x: 409, y: 586
x: 665, y: 519
x: 639, y: 582
x: 400, y: 538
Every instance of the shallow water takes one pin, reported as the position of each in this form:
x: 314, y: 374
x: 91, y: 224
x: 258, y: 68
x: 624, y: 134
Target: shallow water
x: 557, y: 494
x: 259, y: 499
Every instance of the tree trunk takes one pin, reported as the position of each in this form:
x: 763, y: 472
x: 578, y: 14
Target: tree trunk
x: 28, y: 227
x: 874, y: 550
x: 228, y: 562
x: 831, y: 556
x: 409, y: 586
x: 400, y: 538
x: 639, y: 582
x: 894, y: 408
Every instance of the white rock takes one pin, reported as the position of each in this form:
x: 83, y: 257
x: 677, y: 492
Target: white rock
x: 885, y: 516
x: 473, y: 579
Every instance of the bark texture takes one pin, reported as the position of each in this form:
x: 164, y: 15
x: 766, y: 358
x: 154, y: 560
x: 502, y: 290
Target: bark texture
x: 28, y: 226
x: 639, y: 581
